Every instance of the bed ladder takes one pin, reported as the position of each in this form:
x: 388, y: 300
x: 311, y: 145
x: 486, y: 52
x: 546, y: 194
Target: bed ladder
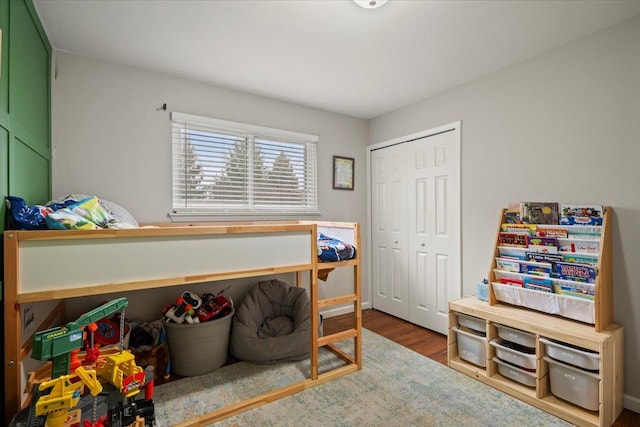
x: 353, y: 361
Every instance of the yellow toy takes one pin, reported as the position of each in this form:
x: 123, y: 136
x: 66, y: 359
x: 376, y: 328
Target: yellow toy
x: 65, y: 395
x: 120, y: 369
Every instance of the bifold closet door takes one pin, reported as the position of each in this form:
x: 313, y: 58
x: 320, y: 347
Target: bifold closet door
x: 415, y: 228
x: 389, y: 215
x: 433, y: 205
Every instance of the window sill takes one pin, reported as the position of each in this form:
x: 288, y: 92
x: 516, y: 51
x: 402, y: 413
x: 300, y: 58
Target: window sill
x: 238, y: 216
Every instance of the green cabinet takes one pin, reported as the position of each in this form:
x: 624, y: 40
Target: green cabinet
x: 25, y: 115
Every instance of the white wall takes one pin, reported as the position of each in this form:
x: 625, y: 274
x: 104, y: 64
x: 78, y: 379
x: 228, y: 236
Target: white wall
x: 564, y: 126
x: 109, y: 139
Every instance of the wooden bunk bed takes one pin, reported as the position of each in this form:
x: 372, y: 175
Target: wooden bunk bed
x: 47, y: 267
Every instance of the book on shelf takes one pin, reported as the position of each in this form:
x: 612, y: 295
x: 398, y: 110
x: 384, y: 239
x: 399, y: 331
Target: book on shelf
x: 538, y: 270
x: 539, y: 213
x: 529, y: 229
x: 524, y: 267
x: 545, y: 245
x: 543, y: 249
x: 511, y: 252
x: 513, y: 239
x: 508, y: 265
x: 538, y: 284
x: 543, y: 231
x: 581, y: 214
x: 574, y: 245
x: 540, y: 257
x: 512, y: 215
x: 512, y: 282
x: 593, y: 231
x: 535, y: 287
x: 575, y: 272
x: 588, y: 259
x: 574, y: 290
x: 584, y: 236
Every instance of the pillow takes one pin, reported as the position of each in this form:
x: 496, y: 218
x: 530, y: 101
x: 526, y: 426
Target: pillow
x: 87, y: 214
x: 125, y: 219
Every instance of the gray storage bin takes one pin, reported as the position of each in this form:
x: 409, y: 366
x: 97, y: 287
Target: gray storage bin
x: 574, y: 385
x: 516, y: 374
x: 524, y: 360
x: 582, y: 358
x: 472, y: 347
x: 198, y: 348
x: 517, y: 336
x: 472, y: 322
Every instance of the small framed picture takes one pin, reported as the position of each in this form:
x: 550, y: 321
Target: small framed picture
x: 343, y: 173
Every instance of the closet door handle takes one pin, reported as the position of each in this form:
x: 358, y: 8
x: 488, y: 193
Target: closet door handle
x: 423, y: 244
x: 395, y: 241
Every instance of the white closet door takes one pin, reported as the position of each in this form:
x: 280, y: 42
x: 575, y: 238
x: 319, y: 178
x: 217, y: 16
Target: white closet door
x: 433, y: 228
x: 389, y: 231
x: 415, y: 226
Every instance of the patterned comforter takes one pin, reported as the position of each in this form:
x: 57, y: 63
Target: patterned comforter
x: 331, y: 249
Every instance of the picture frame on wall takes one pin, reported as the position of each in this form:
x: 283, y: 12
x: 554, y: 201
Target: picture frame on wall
x: 343, y: 168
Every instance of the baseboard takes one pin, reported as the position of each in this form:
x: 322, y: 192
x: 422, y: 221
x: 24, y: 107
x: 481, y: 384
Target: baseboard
x: 632, y: 403
x: 338, y: 311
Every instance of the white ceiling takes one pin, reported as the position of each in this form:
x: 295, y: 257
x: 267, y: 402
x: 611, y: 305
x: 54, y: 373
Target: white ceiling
x: 328, y: 54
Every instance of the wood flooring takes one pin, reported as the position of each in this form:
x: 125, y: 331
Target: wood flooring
x: 428, y: 343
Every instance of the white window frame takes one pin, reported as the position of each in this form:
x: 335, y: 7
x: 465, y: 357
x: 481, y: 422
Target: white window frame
x: 251, y: 132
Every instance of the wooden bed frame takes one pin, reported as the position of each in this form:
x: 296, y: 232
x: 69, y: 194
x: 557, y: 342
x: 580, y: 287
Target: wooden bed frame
x: 47, y: 267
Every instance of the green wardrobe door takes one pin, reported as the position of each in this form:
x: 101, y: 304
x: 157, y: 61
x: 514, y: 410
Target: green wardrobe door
x: 29, y: 157
x: 29, y: 79
x: 4, y: 107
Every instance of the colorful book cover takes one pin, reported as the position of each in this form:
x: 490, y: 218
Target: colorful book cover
x: 538, y: 281
x: 543, y: 241
x: 576, y: 272
x: 581, y: 215
x: 539, y: 213
x: 529, y: 229
x: 539, y: 257
x: 572, y: 245
x: 508, y: 265
x: 591, y: 260
x: 512, y: 218
x: 574, y: 291
x: 584, y: 236
x: 538, y: 270
x: 543, y: 249
x: 512, y: 215
x: 513, y: 239
x: 537, y: 288
x: 513, y: 282
x: 543, y: 231
x: 545, y: 245
x: 538, y: 284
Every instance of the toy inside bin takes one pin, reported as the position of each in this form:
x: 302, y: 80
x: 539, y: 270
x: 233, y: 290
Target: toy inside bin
x: 199, y: 348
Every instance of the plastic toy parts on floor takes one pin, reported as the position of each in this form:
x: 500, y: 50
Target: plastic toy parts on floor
x: 97, y: 391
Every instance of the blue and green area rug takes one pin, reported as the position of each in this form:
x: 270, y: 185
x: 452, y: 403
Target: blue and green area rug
x: 396, y: 387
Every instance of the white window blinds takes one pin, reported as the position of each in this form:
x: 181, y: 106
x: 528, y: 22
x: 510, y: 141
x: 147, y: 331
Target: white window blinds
x: 222, y: 167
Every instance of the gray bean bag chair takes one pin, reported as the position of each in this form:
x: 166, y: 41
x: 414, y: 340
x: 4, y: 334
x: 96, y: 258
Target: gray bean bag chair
x: 272, y: 324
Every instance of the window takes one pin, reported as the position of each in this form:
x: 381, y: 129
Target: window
x: 222, y: 167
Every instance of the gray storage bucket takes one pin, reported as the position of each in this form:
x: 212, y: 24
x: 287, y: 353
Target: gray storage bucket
x: 195, y: 349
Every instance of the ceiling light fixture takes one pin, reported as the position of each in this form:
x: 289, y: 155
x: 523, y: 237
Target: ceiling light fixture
x: 370, y: 4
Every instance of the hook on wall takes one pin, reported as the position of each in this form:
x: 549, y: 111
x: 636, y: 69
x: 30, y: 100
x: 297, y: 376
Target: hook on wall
x: 163, y: 107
